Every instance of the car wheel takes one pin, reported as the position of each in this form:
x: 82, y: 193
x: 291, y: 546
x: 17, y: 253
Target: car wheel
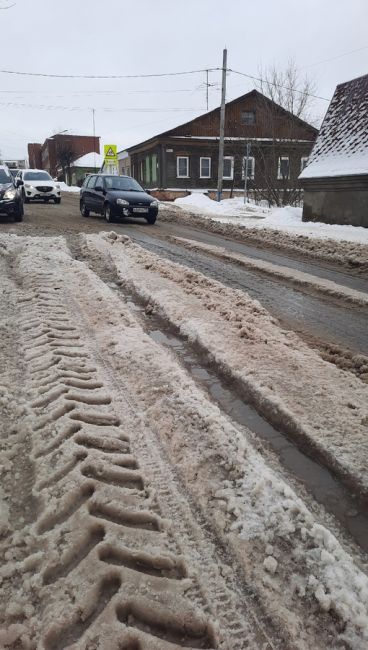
x: 18, y: 214
x: 107, y: 213
x: 83, y: 209
x: 57, y: 201
x: 151, y: 219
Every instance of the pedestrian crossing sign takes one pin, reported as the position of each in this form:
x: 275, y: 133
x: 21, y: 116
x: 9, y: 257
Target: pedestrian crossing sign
x: 110, y: 153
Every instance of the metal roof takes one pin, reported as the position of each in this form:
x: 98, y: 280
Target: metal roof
x: 341, y: 148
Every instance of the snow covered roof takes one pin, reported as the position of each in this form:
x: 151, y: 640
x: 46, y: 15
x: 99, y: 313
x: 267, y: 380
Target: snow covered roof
x: 92, y: 159
x: 341, y: 148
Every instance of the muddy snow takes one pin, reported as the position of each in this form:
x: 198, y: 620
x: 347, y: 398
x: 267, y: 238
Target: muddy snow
x: 348, y: 251
x: 135, y: 514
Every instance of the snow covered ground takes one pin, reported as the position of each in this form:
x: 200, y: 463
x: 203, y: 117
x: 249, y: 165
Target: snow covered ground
x: 287, y: 219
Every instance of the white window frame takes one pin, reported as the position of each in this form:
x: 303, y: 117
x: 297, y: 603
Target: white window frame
x: 209, y: 167
x: 304, y: 159
x: 229, y: 178
x: 280, y: 177
x: 177, y: 166
x: 251, y: 167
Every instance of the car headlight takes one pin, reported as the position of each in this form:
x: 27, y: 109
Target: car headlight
x: 122, y: 202
x: 10, y: 194
x: 57, y: 187
x: 27, y: 185
x: 154, y: 204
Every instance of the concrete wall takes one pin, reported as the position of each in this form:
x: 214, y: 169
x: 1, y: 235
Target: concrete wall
x: 336, y: 206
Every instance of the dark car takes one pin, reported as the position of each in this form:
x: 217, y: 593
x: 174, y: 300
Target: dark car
x: 11, y: 201
x: 116, y: 197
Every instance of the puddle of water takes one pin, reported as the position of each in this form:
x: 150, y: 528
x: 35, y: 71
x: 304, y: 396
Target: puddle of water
x: 316, y: 478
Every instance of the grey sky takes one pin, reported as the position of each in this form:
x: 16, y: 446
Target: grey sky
x: 121, y: 37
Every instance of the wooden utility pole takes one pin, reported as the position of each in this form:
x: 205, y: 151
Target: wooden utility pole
x: 94, y: 137
x: 222, y: 128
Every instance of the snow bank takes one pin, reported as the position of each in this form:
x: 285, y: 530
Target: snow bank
x: 69, y: 188
x: 287, y: 219
x: 227, y: 207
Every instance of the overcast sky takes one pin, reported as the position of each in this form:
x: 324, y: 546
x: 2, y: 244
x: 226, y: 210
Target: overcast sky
x: 143, y: 37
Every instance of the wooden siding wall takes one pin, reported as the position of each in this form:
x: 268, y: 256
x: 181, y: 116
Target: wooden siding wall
x: 270, y: 122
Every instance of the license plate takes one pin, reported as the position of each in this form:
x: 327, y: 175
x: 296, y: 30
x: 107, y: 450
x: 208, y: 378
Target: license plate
x: 140, y: 209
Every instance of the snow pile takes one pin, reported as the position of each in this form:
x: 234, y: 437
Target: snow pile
x: 68, y: 188
x: 287, y: 219
x: 227, y: 207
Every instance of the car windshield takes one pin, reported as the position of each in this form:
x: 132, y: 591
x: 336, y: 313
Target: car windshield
x: 37, y: 176
x: 124, y: 183
x: 4, y: 177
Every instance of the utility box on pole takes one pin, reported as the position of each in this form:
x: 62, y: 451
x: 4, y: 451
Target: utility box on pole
x: 222, y: 128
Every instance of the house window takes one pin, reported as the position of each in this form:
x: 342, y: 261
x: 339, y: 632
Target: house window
x: 205, y: 167
x: 283, y: 169
x: 141, y: 172
x: 303, y: 162
x: 248, y: 118
x: 228, y: 173
x: 251, y: 166
x: 182, y: 167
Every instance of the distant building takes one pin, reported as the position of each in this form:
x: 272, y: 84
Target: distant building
x: 15, y: 164
x: 124, y: 163
x: 87, y: 164
x: 186, y: 158
x: 335, y: 180
x: 51, y: 155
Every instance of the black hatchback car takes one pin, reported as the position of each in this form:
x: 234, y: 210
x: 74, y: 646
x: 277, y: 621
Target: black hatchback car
x: 116, y: 197
x: 11, y: 201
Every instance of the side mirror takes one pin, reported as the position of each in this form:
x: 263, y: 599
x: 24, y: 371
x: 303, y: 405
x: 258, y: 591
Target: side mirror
x: 18, y: 182
x: 148, y: 191
x: 99, y: 188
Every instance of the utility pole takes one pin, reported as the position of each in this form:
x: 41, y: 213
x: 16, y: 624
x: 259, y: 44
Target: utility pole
x: 246, y: 171
x: 94, y: 137
x: 207, y: 84
x: 222, y: 128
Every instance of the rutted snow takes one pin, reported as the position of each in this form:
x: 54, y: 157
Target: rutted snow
x: 302, y: 574
x: 287, y: 379
x: 287, y: 219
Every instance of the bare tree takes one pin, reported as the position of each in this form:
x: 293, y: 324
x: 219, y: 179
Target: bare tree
x: 280, y: 159
x: 65, y: 155
x: 288, y: 89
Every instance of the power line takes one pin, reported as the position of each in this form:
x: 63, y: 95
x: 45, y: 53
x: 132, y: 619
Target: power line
x: 338, y: 56
x: 102, y: 108
x: 272, y: 83
x: 114, y: 76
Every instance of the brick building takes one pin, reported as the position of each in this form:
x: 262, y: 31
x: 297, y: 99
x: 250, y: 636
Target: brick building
x: 47, y: 155
x: 186, y: 157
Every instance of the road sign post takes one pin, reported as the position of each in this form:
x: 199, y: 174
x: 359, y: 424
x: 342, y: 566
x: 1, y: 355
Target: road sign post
x: 111, y: 159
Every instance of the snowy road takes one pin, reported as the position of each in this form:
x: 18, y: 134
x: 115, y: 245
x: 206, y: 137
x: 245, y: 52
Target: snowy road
x: 137, y: 510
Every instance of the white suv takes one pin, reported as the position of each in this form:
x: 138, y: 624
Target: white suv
x: 38, y: 185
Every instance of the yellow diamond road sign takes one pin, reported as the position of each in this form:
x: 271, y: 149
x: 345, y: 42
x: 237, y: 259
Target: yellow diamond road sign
x: 110, y: 153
